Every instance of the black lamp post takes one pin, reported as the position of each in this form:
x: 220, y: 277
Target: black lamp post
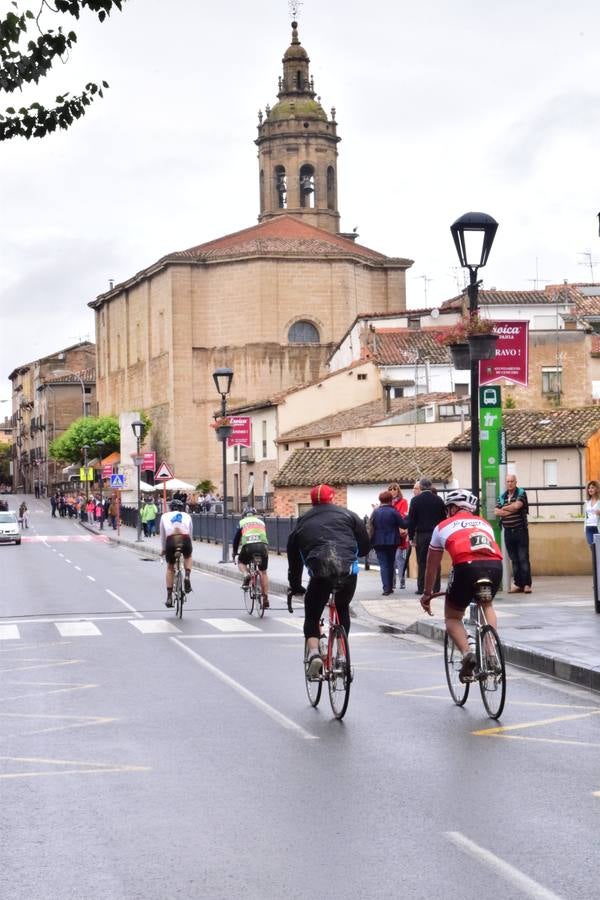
x: 84, y: 450
x: 138, y: 429
x: 222, y: 379
x: 100, y: 446
x: 473, y: 237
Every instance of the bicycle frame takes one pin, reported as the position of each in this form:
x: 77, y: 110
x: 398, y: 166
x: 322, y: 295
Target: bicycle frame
x: 333, y: 619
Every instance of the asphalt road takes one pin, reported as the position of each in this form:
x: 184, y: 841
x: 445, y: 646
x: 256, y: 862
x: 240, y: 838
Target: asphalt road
x: 145, y: 757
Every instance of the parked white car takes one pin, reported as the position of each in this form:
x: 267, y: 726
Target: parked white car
x: 9, y: 528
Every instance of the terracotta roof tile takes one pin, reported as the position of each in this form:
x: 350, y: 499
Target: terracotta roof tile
x: 396, y: 347
x: 364, y: 465
x: 85, y: 375
x: 543, y: 428
x: 361, y: 416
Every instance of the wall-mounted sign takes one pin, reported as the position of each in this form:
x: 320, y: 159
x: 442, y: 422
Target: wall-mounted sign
x: 512, y: 355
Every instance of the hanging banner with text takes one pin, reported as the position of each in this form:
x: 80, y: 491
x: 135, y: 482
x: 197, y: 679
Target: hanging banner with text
x: 512, y: 355
x: 149, y: 461
x: 241, y: 435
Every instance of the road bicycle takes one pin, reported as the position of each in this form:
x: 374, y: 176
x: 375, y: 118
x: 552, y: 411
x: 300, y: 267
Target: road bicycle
x: 178, y: 585
x: 336, y: 671
x: 253, y: 595
x: 490, y: 671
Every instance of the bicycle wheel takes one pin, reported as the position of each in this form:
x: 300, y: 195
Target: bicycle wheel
x: 258, y: 599
x: 340, y: 675
x: 492, y: 678
x: 313, y: 686
x: 453, y: 661
x: 248, y: 599
x: 178, y: 593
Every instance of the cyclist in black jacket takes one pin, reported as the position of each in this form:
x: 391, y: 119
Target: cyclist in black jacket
x: 328, y: 540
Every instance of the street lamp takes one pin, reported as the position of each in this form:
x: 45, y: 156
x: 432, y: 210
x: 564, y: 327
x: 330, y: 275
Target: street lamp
x: 100, y: 446
x: 474, y: 235
x: 222, y: 379
x: 138, y: 429
x: 84, y: 450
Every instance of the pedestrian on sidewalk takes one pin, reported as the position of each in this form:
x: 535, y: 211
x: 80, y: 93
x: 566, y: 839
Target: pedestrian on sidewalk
x: 403, y: 549
x: 149, y: 514
x: 53, y: 504
x: 592, y: 511
x: 512, y: 509
x: 386, y: 523
x: 425, y: 512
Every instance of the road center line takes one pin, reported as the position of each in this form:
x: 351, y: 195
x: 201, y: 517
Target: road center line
x: 125, y: 603
x: 270, y: 711
x: 523, y: 882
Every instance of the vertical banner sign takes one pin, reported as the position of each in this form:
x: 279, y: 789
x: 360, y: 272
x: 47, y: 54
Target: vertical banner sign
x: 511, y: 360
x: 107, y: 471
x: 242, y: 431
x: 492, y: 449
x: 149, y: 461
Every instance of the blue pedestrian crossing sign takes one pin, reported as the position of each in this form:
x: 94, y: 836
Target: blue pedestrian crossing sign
x: 117, y: 481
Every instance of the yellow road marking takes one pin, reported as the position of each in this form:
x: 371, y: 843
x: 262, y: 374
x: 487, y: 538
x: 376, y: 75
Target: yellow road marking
x: 524, y: 737
x: 46, y: 665
x: 63, y: 689
x: 433, y: 687
x: 500, y: 730
x: 70, y: 722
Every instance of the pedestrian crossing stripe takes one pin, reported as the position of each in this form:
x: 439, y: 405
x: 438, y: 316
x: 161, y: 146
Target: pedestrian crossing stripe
x: 87, y: 628
x: 64, y: 538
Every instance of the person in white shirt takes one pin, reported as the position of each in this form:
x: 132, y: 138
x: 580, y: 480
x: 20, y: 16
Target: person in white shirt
x: 176, y: 529
x: 592, y: 511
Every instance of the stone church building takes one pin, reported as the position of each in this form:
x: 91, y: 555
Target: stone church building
x: 162, y: 332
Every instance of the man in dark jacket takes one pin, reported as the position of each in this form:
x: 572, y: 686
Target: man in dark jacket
x: 425, y: 511
x: 328, y: 540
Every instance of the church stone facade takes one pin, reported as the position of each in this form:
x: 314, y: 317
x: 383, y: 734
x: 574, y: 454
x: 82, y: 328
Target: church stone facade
x: 270, y: 301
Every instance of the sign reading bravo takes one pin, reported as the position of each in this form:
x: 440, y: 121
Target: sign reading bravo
x: 242, y: 431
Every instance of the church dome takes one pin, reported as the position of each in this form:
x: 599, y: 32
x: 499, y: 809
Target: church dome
x: 300, y: 107
x: 295, y: 51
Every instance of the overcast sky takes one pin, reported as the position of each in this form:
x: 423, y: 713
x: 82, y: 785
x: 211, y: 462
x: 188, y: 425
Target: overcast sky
x: 443, y: 107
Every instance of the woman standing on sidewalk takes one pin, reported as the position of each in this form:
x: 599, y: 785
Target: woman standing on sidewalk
x: 592, y: 511
x: 386, y: 523
x: 403, y: 548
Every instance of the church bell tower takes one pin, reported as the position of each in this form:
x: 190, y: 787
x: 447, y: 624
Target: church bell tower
x: 297, y: 148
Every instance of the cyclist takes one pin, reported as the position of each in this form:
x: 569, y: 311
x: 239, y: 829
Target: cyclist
x: 475, y: 554
x: 176, y: 529
x: 328, y: 540
x: 252, y: 533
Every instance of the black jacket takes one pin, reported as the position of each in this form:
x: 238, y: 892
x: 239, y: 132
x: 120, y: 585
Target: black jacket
x: 424, y: 513
x: 386, y: 524
x: 328, y: 540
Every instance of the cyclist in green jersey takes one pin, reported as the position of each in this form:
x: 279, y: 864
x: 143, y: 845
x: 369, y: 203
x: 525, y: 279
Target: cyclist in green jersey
x: 252, y: 536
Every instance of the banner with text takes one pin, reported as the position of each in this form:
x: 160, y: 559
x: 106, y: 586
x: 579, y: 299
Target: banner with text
x: 512, y: 355
x: 149, y: 461
x: 242, y: 431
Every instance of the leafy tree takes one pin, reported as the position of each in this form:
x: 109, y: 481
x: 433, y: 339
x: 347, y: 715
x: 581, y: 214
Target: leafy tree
x: 20, y: 66
x: 206, y: 486
x: 86, y: 430
x: 5, y: 457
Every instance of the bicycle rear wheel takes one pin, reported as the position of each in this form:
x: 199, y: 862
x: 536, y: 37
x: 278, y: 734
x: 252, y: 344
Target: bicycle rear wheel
x: 256, y: 587
x: 453, y: 661
x: 313, y: 686
x: 178, y: 593
x: 492, y: 678
x: 340, y: 674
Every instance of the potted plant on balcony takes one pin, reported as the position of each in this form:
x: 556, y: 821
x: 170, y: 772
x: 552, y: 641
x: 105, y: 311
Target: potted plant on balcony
x: 223, y: 427
x: 472, y: 338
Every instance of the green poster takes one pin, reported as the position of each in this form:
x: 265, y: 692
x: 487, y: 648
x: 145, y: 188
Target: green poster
x: 492, y: 451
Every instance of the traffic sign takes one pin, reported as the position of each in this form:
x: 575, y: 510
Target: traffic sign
x: 164, y: 472
x: 117, y: 480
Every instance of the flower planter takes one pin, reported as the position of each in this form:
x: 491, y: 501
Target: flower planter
x: 223, y: 432
x: 482, y: 346
x: 461, y: 358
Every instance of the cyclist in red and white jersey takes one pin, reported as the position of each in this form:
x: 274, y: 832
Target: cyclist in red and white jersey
x: 475, y: 554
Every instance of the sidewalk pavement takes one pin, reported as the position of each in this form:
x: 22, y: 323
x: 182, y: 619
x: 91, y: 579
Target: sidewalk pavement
x: 554, y: 630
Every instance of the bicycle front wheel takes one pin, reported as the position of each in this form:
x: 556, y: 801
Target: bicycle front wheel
x: 453, y: 661
x: 313, y: 686
x: 248, y: 599
x: 258, y: 599
x: 492, y: 677
x: 340, y: 674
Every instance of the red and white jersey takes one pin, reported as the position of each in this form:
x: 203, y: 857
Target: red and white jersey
x: 466, y: 538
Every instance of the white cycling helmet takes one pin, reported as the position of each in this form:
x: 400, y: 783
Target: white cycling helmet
x: 462, y: 500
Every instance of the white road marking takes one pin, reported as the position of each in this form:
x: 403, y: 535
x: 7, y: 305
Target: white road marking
x: 231, y: 625
x: 273, y: 634
x: 67, y: 560
x: 523, y: 882
x: 153, y: 626
x: 270, y: 711
x: 77, y: 629
x: 78, y: 568
x: 91, y: 577
x: 124, y: 602
x: 25, y: 620
x: 9, y: 633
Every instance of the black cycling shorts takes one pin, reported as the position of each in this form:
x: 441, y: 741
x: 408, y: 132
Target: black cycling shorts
x: 464, y: 576
x: 255, y: 549
x: 175, y: 541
